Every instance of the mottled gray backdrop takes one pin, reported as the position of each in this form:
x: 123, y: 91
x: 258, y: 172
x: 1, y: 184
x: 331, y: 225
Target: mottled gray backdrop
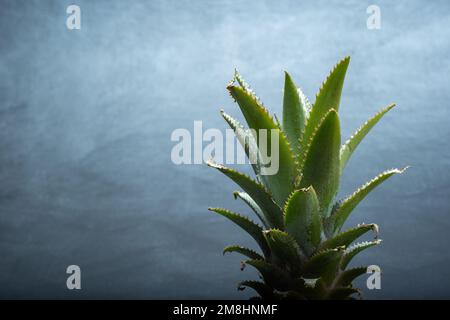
x: 86, y: 118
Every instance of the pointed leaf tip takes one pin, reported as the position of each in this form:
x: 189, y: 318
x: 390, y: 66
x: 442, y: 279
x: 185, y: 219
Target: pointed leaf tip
x: 349, y: 236
x: 294, y: 113
x: 327, y: 98
x: 253, y: 205
x: 352, y: 143
x: 244, y: 251
x: 346, y: 206
x: 264, y: 130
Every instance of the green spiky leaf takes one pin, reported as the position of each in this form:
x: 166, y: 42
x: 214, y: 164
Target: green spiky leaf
x: 280, y: 183
x: 252, y: 204
x: 244, y: 251
x: 294, y: 113
x: 302, y: 218
x: 321, y: 161
x: 328, y: 98
x: 345, y: 207
x: 305, y: 103
x: 249, y: 226
x: 324, y: 264
x: 352, y: 251
x: 285, y: 249
x: 272, y: 212
x: 350, y: 145
x: 347, y: 237
x: 247, y: 141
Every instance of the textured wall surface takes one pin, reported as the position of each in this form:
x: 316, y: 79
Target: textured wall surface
x: 86, y: 118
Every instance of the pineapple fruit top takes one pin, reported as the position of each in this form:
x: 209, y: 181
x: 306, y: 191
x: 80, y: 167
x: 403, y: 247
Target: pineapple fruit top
x: 304, y: 253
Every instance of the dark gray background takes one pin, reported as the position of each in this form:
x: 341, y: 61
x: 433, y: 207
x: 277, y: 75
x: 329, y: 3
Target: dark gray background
x: 86, y: 117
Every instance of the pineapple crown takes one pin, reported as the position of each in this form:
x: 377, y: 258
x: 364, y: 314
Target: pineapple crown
x: 304, y: 252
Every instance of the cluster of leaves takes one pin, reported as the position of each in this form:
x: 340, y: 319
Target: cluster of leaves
x: 304, y: 252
